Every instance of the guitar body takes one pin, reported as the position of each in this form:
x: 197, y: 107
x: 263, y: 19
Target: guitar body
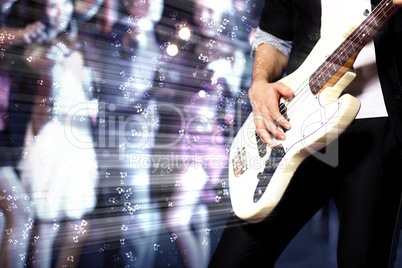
x: 316, y: 119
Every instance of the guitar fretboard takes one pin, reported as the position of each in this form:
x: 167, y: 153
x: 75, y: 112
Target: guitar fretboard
x: 342, y: 59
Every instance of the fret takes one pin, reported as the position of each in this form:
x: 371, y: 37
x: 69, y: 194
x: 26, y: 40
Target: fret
x: 333, y: 67
x: 351, y: 47
x: 384, y: 13
x: 340, y: 62
x: 329, y: 71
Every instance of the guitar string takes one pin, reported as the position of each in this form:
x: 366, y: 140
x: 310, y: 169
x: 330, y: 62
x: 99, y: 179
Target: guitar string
x: 318, y: 80
x: 351, y: 39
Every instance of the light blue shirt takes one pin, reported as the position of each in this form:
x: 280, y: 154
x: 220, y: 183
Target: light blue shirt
x: 261, y: 37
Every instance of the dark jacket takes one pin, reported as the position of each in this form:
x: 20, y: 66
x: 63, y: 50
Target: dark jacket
x: 300, y: 22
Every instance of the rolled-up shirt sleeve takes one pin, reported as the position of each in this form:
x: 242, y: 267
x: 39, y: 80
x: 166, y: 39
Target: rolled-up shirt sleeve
x: 262, y: 37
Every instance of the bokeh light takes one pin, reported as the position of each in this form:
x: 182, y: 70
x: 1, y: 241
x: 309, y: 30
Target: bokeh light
x: 185, y: 33
x: 172, y: 50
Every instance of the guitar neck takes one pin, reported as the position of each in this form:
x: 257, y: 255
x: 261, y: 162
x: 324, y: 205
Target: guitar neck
x: 342, y: 59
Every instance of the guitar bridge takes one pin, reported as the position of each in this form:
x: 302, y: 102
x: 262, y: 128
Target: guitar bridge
x: 240, y: 162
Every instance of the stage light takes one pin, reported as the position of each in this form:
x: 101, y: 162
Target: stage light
x: 185, y: 33
x: 172, y: 50
x: 202, y: 93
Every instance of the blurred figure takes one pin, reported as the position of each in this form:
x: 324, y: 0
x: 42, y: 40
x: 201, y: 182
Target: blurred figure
x: 194, y: 95
x: 220, y: 43
x: 15, y: 209
x: 58, y: 165
x: 203, y: 158
x: 131, y: 58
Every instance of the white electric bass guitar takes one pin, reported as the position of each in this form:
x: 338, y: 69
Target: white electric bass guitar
x: 258, y: 174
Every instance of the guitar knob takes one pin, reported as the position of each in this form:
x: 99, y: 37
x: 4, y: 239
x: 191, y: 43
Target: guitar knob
x: 269, y: 164
x: 264, y: 177
x: 278, y: 151
x: 258, y: 191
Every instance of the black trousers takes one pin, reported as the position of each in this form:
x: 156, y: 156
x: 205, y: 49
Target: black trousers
x: 365, y: 185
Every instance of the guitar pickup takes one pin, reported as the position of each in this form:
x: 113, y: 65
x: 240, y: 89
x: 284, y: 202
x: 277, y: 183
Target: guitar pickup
x: 278, y: 152
x: 264, y: 177
x: 284, y: 112
x: 262, y: 147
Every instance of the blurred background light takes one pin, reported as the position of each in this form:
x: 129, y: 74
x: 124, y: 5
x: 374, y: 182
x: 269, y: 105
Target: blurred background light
x: 185, y: 33
x: 172, y: 50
